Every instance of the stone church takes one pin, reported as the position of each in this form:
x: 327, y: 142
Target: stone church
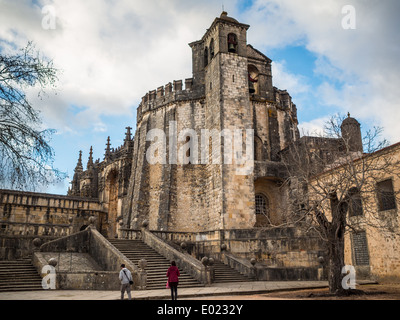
x: 230, y: 88
x: 175, y: 183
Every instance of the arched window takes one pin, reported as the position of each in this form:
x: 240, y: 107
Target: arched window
x: 253, y: 74
x: 205, y: 57
x: 232, y: 43
x: 212, y: 49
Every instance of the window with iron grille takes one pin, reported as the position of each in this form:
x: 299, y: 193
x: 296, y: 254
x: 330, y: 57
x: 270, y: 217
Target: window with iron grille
x: 261, y: 205
x: 386, y: 196
x: 360, y: 249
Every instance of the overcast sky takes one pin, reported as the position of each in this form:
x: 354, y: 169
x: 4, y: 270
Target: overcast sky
x: 112, y: 52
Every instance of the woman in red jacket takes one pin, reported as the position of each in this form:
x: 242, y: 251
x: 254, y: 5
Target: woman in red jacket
x: 173, y: 274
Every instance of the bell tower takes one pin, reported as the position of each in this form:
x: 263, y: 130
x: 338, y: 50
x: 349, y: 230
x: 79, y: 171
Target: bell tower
x: 225, y: 69
x: 227, y: 107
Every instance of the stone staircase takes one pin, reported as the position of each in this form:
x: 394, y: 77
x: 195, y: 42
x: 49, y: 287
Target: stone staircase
x: 19, y: 275
x: 224, y: 273
x: 157, y: 265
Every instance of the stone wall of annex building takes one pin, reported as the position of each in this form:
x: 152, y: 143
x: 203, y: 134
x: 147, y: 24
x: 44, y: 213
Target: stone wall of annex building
x: 25, y: 216
x: 38, y: 208
x: 374, y: 251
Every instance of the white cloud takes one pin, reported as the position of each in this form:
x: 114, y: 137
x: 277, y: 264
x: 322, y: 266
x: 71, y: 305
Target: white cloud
x: 285, y: 80
x: 110, y: 53
x: 315, y: 127
x: 360, y: 66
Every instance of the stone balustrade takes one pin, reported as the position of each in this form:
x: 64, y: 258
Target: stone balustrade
x: 131, y: 234
x: 177, y: 237
x: 28, y: 229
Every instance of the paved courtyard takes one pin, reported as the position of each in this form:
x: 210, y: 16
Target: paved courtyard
x: 215, y: 290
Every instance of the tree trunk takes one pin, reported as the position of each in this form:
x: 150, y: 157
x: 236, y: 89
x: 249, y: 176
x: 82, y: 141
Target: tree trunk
x: 336, y: 232
x: 336, y: 263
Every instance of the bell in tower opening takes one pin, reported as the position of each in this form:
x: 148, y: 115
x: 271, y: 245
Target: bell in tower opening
x: 232, y: 43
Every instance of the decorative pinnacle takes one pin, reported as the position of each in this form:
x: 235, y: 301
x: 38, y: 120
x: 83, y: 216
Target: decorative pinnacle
x: 127, y: 135
x: 108, y: 149
x: 90, y: 162
x: 79, y: 166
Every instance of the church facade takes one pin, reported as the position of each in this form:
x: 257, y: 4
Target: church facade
x: 204, y: 166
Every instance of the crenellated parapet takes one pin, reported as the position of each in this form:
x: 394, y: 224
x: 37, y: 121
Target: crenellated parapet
x: 171, y: 92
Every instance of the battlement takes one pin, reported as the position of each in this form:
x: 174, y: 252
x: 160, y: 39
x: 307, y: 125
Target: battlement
x: 171, y: 92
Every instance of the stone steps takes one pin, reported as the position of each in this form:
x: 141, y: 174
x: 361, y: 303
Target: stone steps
x: 157, y: 265
x: 224, y: 273
x: 19, y: 275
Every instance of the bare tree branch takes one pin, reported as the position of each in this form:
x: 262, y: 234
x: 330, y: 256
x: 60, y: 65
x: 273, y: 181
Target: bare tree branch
x: 26, y: 157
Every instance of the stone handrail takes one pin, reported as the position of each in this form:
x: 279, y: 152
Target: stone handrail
x: 100, y: 249
x: 191, y: 265
x: 106, y: 255
x: 241, y: 265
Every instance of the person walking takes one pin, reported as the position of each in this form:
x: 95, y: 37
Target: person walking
x: 125, y: 276
x: 173, y: 279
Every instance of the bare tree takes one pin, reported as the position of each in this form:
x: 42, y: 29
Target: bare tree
x: 26, y: 157
x: 332, y: 188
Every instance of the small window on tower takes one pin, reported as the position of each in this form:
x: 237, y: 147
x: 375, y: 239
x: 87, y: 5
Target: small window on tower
x: 205, y: 57
x: 232, y: 43
x: 188, y: 150
x: 212, y: 49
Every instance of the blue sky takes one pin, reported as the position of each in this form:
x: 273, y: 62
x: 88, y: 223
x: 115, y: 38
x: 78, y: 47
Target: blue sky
x: 112, y: 53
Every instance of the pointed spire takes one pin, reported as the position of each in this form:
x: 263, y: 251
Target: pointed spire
x: 90, y: 162
x: 79, y: 166
x: 108, y: 149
